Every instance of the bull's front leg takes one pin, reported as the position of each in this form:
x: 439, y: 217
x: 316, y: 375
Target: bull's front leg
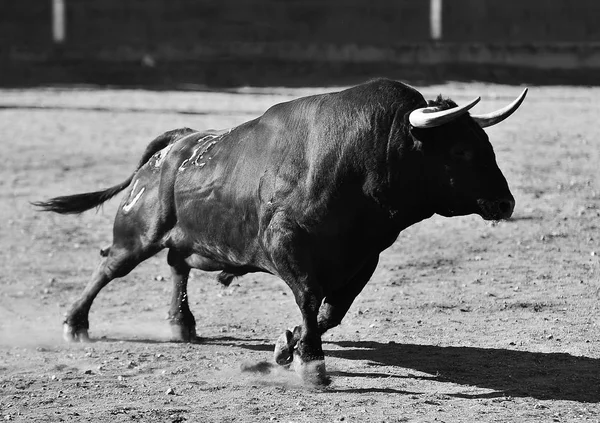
x: 291, y: 258
x: 332, y: 311
x: 305, y: 347
x: 336, y: 305
x: 181, y: 319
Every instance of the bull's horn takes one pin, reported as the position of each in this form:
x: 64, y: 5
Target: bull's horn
x: 429, y: 117
x: 498, y: 116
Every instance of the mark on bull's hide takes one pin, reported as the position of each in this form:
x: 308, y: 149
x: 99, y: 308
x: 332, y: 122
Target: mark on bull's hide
x: 206, y: 145
x: 160, y: 156
x: 133, y: 199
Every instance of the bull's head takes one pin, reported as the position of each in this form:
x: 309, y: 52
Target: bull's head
x: 460, y: 164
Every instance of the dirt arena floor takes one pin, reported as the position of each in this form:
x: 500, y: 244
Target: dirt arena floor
x: 463, y: 321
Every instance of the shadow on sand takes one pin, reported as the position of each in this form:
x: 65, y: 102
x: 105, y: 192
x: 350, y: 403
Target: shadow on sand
x: 544, y: 376
x: 256, y: 344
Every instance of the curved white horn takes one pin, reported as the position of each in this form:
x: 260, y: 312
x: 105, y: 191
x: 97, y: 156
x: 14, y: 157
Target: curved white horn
x: 429, y: 117
x: 498, y: 116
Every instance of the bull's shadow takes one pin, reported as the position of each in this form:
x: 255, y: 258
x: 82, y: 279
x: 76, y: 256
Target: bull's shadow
x: 545, y: 376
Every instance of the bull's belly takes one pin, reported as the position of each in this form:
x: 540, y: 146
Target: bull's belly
x: 219, y: 235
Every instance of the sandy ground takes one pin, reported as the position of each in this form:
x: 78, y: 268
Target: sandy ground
x: 464, y: 321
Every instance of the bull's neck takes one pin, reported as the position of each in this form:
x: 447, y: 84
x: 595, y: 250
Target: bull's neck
x: 406, y: 198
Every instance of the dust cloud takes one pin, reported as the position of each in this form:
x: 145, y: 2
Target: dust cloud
x: 265, y: 373
x: 23, y: 334
x: 23, y: 325
x: 27, y: 326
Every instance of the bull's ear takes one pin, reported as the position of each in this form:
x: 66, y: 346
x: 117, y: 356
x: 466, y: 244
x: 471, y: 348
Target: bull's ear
x: 430, y: 117
x: 498, y: 116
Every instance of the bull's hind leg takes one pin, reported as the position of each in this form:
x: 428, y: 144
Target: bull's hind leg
x: 183, y: 324
x: 117, y: 262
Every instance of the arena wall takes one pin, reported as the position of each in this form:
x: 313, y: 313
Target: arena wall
x: 526, y: 33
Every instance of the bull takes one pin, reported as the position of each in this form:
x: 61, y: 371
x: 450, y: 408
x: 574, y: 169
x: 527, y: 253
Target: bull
x: 312, y: 191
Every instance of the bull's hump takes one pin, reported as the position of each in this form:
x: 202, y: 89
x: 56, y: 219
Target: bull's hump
x: 294, y: 112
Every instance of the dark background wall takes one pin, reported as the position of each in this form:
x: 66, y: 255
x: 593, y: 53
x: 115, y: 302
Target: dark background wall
x: 522, y: 21
x: 321, y: 30
x: 179, y: 24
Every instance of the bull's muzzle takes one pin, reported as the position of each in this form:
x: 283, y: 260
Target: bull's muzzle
x: 497, y: 209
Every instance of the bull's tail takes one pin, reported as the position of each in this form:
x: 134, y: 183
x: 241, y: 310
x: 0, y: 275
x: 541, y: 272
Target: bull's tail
x: 78, y: 203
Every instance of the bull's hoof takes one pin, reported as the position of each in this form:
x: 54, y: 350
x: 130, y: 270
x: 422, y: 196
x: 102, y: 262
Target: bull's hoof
x: 182, y: 333
x: 312, y: 373
x: 73, y: 334
x: 284, y: 349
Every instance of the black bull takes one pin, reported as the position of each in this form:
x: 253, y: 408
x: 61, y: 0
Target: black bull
x: 312, y: 191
